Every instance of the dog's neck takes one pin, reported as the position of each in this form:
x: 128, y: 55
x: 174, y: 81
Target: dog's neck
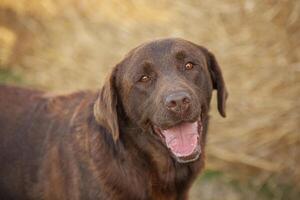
x: 140, y: 160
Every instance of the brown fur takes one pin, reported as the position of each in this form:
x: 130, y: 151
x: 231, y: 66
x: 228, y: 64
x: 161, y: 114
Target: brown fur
x: 91, y: 145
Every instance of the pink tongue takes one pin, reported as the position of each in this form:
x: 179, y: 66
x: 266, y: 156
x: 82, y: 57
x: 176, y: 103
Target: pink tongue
x: 182, y: 139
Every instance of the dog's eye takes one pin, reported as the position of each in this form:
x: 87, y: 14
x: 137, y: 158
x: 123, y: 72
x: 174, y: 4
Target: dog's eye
x: 145, y: 78
x: 189, y: 66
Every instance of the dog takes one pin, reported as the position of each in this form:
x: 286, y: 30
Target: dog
x: 141, y: 137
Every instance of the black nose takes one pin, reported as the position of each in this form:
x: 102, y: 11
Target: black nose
x: 178, y: 102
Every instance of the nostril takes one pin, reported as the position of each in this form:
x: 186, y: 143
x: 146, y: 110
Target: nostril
x: 172, y: 104
x: 178, y: 102
x: 186, y: 100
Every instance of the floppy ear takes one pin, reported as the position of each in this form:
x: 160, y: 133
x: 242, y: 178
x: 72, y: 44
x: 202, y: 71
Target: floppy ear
x: 218, y: 82
x: 105, y: 107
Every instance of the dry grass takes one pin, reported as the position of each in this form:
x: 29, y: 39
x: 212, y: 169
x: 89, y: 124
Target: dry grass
x: 71, y: 44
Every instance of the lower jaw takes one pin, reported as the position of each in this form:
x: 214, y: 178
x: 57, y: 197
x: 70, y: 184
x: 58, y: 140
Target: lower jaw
x: 190, y: 158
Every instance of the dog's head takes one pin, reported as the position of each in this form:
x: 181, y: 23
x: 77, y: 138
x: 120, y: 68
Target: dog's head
x: 165, y: 86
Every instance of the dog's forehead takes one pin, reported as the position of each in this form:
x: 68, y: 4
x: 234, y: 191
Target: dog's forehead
x: 161, y: 52
x: 154, y: 56
x: 164, y: 47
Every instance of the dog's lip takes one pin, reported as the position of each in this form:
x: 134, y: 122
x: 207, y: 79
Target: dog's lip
x: 160, y: 128
x: 167, y: 126
x: 197, y: 151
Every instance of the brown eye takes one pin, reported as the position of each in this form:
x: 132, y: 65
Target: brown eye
x: 189, y: 66
x: 145, y: 78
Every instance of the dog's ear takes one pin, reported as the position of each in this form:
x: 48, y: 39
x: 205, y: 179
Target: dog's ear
x: 218, y: 82
x: 105, y: 107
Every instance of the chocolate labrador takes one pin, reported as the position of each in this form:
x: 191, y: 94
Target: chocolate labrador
x: 142, y: 137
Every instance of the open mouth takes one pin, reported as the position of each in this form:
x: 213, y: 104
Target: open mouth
x: 183, y: 140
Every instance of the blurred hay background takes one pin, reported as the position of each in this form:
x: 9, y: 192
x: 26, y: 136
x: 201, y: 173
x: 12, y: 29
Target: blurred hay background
x: 252, y: 154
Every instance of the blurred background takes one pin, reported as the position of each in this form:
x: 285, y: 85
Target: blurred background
x: 68, y: 45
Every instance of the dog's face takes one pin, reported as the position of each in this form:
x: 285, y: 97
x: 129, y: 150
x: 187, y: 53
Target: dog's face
x: 166, y: 86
